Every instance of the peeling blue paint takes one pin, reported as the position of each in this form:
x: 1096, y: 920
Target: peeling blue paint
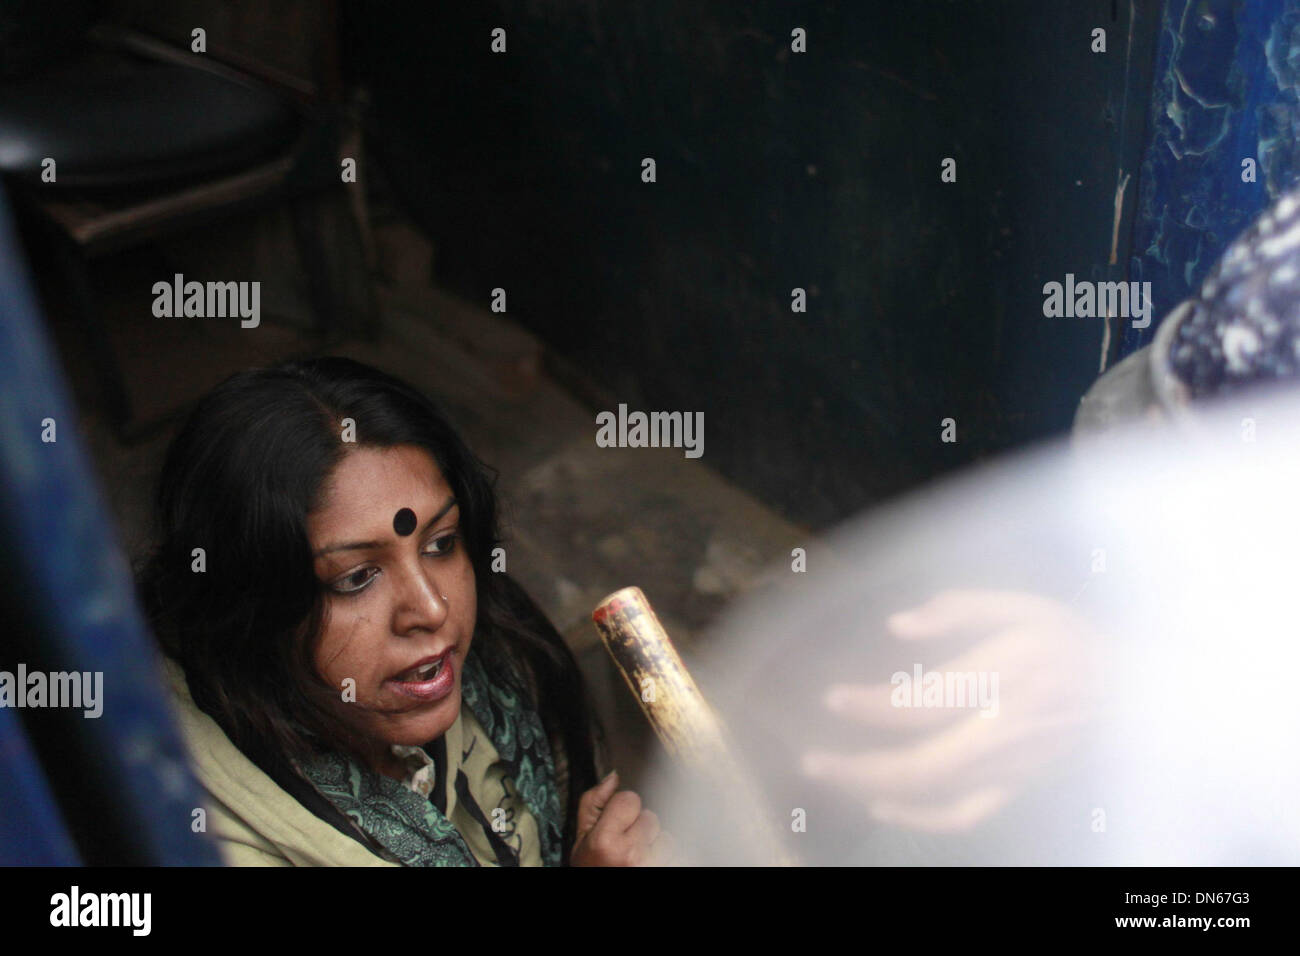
x: 1227, y: 88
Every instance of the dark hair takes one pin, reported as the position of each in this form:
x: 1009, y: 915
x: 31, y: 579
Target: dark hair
x: 239, y: 479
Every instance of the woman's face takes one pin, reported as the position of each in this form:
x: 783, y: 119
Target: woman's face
x: 400, y: 601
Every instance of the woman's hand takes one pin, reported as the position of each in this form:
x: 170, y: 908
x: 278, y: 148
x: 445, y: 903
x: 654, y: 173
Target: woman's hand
x: 1045, y: 658
x: 614, y: 829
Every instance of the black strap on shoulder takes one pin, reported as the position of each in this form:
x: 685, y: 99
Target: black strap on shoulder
x: 438, y: 751
x: 504, y: 854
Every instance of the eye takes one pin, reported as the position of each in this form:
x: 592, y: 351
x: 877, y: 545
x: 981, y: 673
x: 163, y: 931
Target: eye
x: 356, y: 581
x: 440, y: 547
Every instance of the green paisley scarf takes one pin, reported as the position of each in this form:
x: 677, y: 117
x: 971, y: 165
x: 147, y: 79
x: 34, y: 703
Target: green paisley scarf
x: 408, y: 825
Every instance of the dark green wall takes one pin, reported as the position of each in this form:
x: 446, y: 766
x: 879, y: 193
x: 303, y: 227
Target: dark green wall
x: 778, y: 170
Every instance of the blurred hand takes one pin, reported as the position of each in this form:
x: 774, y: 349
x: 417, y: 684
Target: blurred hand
x: 970, y: 764
x: 614, y: 830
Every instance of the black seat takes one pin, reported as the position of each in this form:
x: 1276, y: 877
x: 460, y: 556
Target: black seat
x: 118, y: 121
x: 151, y: 139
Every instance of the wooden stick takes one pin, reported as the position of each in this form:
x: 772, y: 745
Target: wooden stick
x: 690, y: 730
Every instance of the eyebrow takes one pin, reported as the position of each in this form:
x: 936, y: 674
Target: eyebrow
x: 367, y: 545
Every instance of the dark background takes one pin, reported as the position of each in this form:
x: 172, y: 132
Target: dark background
x: 778, y: 170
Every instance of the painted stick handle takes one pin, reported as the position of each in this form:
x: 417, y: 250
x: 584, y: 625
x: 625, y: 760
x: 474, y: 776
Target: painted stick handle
x: 688, y: 727
x: 669, y: 697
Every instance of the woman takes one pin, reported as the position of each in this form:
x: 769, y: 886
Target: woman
x: 357, y: 684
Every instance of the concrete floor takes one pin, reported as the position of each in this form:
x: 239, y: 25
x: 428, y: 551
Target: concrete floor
x: 581, y: 521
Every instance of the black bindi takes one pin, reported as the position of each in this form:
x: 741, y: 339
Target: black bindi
x: 404, y: 522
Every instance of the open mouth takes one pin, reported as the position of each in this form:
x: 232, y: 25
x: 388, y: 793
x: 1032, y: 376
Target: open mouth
x: 431, y: 679
x: 422, y: 672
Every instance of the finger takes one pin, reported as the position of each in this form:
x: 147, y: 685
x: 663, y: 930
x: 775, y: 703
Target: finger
x: 960, y: 815
x: 593, y: 803
x: 618, y: 816
x: 1036, y: 687
x: 969, y: 608
x: 974, y: 743
x: 1034, y: 670
x: 1010, y: 655
x: 874, y: 704
x: 971, y: 748
x: 644, y: 829
x: 663, y: 851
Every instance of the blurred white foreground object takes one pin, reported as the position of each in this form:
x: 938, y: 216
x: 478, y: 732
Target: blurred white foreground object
x: 1075, y: 656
